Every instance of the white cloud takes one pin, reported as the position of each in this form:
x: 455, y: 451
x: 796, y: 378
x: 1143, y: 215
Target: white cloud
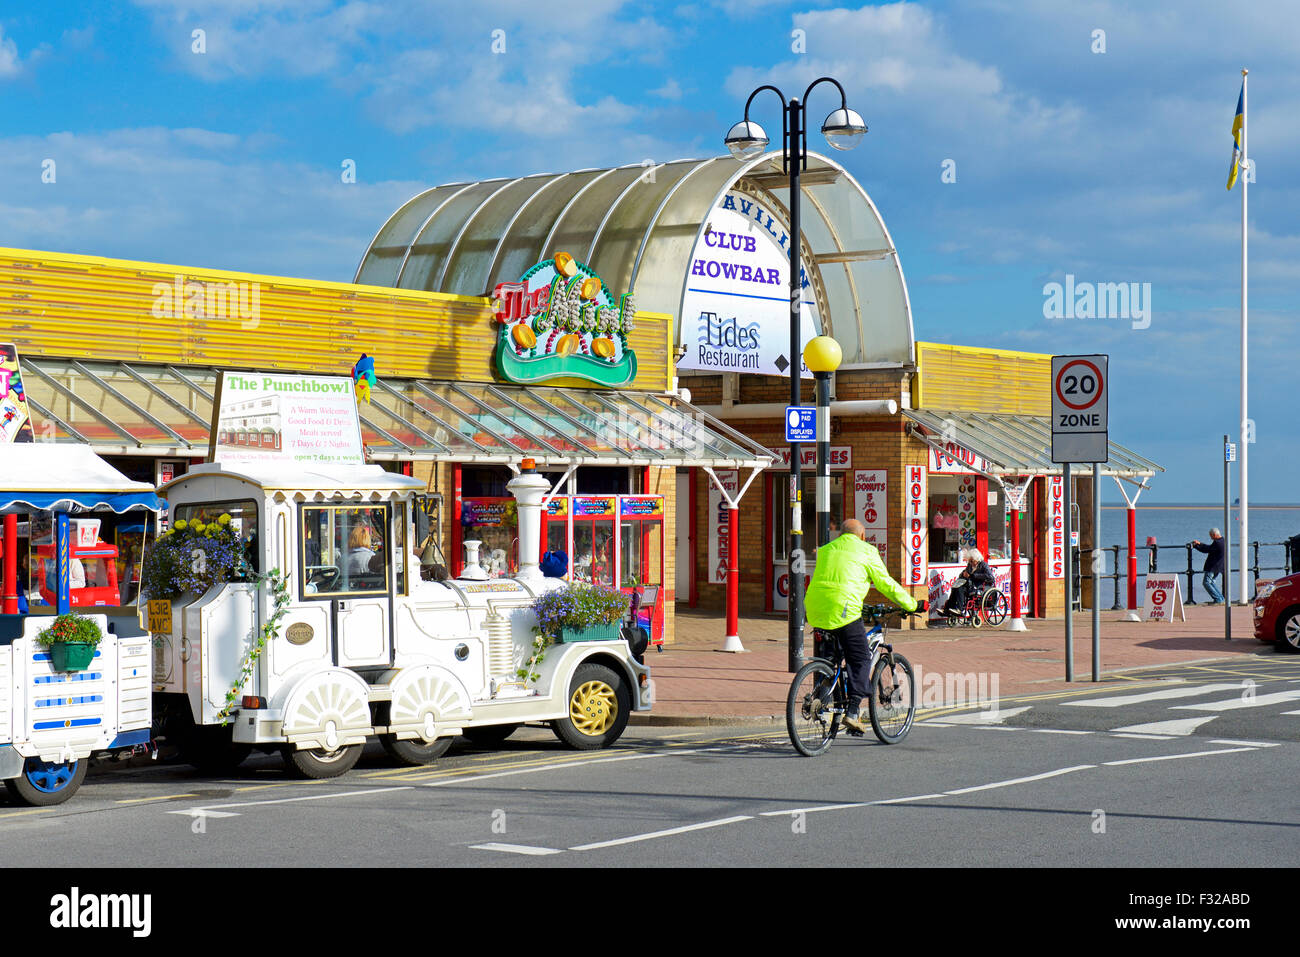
x: 196, y: 197
x: 9, y: 61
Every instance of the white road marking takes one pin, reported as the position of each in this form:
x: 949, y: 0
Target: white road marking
x: 1252, y: 744
x: 1013, y: 781
x: 1175, y: 757
x: 1142, y: 737
x: 1291, y: 712
x: 1183, y: 691
x: 813, y: 810
x: 983, y: 717
x: 206, y: 808
x: 665, y: 833
x: 1179, y: 726
x: 1233, y: 704
x: 914, y: 797
x: 517, y: 849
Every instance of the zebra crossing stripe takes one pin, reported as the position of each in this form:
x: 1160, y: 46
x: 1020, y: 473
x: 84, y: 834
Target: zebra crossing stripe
x: 1233, y: 704
x: 1182, y: 691
x: 1179, y: 726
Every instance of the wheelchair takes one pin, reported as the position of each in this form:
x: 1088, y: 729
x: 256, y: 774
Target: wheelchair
x: 986, y: 606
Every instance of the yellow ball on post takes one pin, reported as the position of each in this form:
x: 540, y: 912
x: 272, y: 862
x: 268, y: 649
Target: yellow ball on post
x: 822, y: 354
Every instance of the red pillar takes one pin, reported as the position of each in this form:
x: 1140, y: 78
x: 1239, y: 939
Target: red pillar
x: 733, y: 573
x: 1014, y: 551
x: 1132, y: 559
x: 10, y: 604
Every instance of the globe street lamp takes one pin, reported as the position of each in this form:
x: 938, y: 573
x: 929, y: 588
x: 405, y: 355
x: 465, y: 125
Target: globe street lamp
x: 822, y: 356
x: 843, y: 128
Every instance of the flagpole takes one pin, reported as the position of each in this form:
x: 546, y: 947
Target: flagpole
x: 1244, y: 594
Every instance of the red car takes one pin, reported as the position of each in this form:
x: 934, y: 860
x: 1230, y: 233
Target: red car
x: 1277, y: 612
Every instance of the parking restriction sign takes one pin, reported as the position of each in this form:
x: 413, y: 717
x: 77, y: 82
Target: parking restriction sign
x: 1080, y: 427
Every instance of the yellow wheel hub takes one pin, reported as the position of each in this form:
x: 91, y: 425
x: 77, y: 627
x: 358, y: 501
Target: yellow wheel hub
x: 593, y: 708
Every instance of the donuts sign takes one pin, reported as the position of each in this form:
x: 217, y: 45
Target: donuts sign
x: 561, y: 321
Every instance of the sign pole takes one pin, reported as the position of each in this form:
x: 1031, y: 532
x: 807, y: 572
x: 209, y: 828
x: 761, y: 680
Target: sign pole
x: 1096, y: 571
x: 1069, y: 583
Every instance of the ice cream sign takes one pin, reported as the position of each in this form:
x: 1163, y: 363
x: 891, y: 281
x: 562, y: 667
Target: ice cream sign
x: 561, y: 321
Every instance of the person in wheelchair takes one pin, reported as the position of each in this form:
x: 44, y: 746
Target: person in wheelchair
x: 847, y: 567
x: 975, y: 579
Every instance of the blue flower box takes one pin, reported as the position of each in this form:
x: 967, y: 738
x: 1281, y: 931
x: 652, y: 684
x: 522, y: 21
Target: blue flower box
x: 594, y: 633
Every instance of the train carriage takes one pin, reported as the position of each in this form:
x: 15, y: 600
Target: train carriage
x: 54, y: 715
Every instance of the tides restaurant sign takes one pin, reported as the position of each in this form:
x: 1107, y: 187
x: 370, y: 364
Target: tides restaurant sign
x: 561, y: 321
x: 738, y: 294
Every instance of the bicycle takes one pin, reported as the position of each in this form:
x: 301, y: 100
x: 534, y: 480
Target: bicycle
x: 819, y: 693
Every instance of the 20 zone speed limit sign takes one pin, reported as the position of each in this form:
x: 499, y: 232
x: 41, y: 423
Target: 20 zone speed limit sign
x: 1079, y: 409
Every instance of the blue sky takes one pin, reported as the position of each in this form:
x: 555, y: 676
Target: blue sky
x: 1108, y: 166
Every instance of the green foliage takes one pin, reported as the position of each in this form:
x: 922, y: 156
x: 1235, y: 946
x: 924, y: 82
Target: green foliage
x: 577, y: 606
x: 71, y: 627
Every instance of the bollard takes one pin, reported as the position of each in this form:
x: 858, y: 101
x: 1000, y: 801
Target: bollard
x: 1191, y: 574
x: 1116, y: 606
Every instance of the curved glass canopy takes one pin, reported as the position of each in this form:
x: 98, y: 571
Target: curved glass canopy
x: 638, y: 227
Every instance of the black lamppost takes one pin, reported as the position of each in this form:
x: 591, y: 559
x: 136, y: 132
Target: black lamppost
x: 746, y: 140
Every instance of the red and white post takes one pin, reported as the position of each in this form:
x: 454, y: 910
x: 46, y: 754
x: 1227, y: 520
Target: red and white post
x: 1131, y: 502
x: 731, y: 642
x: 1016, y: 490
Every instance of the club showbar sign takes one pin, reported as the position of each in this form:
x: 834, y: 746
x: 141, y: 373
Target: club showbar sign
x: 738, y: 294
x: 561, y: 321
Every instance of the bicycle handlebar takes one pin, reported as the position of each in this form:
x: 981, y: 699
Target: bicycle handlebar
x: 876, y: 612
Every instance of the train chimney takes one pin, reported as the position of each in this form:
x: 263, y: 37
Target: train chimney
x: 529, y: 489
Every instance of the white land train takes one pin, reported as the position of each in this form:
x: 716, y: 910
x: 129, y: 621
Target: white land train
x: 52, y: 718
x: 366, y: 648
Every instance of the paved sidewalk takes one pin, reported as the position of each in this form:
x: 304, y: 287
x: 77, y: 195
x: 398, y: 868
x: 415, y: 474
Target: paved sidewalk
x: 695, y: 683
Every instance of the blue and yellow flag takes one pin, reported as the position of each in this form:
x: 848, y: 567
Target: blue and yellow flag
x: 1238, y: 122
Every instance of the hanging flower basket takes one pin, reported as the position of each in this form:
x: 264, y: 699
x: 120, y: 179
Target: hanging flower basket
x: 71, y: 655
x: 71, y: 640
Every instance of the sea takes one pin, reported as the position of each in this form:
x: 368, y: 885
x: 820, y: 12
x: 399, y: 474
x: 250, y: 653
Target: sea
x: 1269, y: 525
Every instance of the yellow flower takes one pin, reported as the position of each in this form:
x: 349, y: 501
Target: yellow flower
x: 224, y: 519
x: 197, y: 526
x: 180, y: 525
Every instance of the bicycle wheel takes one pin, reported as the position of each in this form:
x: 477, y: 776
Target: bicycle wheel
x: 994, y: 607
x: 808, y: 714
x: 892, y: 704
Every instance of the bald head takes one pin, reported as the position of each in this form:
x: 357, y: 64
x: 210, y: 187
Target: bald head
x: 853, y: 527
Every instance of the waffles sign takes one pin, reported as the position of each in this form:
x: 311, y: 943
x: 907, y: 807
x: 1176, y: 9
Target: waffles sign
x: 560, y: 321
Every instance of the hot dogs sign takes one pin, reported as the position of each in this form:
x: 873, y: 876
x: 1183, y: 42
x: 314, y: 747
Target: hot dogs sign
x: 561, y: 321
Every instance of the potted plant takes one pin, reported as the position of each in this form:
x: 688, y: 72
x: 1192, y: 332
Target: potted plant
x: 580, y: 612
x: 71, y: 640
x: 577, y: 612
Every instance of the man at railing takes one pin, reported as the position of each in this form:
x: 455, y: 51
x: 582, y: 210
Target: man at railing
x: 1213, y: 564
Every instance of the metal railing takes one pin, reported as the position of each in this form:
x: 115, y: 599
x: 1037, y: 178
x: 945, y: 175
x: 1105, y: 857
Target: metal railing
x: 1194, y: 563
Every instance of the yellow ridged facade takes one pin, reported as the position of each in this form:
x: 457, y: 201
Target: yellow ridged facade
x: 88, y: 307
x: 982, y: 380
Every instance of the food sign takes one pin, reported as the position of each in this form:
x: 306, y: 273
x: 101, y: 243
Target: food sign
x: 560, y: 321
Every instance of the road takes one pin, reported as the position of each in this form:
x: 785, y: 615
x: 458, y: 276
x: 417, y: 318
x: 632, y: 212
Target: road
x: 1187, y: 767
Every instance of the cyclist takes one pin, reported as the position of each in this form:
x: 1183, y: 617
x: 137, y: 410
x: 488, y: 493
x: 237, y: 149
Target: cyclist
x: 846, y: 569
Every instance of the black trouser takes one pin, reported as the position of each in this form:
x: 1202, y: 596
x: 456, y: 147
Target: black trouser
x: 957, y: 597
x: 852, y: 639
